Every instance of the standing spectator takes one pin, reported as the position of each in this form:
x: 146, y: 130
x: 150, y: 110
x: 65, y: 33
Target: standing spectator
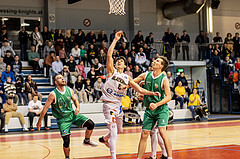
x: 69, y: 41
x: 89, y: 90
x: 33, y: 58
x: 184, y: 81
x: 10, y: 111
x: 47, y: 48
x: 81, y: 69
x: 57, y: 66
x: 128, y: 72
x: 92, y: 53
x: 194, y: 101
x: 63, y: 56
x: 180, y: 93
x: 22, y: 97
x: 34, y: 109
x: 16, y: 66
x: 177, y: 45
x: 2, y: 118
x: 112, y: 36
x: 37, y: 39
x: 217, y: 38
x: 236, y: 46
x: 7, y: 73
x: 23, y: 39
x: 185, y: 39
x: 92, y: 76
x: 2, y: 93
x: 79, y: 90
x: 48, y: 61
x: 97, y: 88
x: 75, y: 52
x: 199, y: 41
x: 2, y: 65
x: 4, y: 34
x: 80, y: 37
x: 46, y: 35
x: 91, y: 37
x: 67, y: 76
x: 138, y: 40
x: 6, y: 48
x: 229, y: 41
x: 169, y: 40
x: 141, y: 59
x: 59, y: 38
x: 149, y: 39
x: 31, y: 88
x: 102, y: 37
x: 216, y: 63
x: 10, y: 89
x: 171, y: 80
x: 72, y: 66
x: 8, y: 59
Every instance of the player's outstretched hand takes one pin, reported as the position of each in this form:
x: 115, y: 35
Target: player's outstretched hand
x: 76, y: 112
x: 157, y: 94
x: 140, y: 96
x: 39, y: 123
x: 152, y: 106
x: 141, y: 83
x: 118, y: 35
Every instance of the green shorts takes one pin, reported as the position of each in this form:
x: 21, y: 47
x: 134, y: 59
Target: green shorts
x: 65, y: 125
x: 149, y: 121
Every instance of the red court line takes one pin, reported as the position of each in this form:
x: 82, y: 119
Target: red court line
x: 125, y: 131
x: 216, y: 152
x: 49, y: 151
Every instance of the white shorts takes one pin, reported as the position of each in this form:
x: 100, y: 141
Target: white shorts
x: 113, y: 113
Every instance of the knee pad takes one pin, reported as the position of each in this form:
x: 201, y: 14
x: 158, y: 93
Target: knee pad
x: 89, y: 124
x: 66, y: 141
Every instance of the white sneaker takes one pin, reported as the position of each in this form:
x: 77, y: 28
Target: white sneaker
x: 25, y: 129
x: 90, y: 143
x: 5, y: 128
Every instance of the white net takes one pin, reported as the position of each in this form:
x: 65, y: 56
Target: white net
x: 117, y: 7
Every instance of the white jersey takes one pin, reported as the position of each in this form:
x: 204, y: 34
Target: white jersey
x: 110, y: 90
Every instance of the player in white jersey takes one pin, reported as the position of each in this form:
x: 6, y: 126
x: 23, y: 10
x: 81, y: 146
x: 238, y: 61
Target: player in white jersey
x: 113, y: 91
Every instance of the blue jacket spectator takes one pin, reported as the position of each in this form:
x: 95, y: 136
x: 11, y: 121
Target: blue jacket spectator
x: 2, y: 95
x: 16, y: 66
x: 7, y: 73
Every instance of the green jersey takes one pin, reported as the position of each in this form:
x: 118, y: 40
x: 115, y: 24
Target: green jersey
x: 154, y: 85
x: 62, y: 108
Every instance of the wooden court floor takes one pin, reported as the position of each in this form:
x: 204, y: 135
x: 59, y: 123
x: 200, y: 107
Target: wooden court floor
x: 203, y: 140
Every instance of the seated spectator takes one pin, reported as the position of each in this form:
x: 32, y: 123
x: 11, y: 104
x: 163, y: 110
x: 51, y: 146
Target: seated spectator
x: 67, y: 76
x: 128, y: 72
x: 79, y: 37
x: 63, y: 56
x: 10, y: 109
x: 72, y: 66
x: 2, y: 92
x: 184, y: 81
x: 225, y: 66
x: 138, y: 40
x: 8, y: 59
x: 102, y: 37
x: 226, y: 51
x: 79, y: 90
x: 83, y: 54
x: 20, y: 92
x: 126, y: 54
x: 2, y: 65
x: 97, y: 88
x: 130, y: 63
x: 33, y: 58
x: 147, y: 51
x: 89, y: 90
x: 92, y: 53
x: 149, y: 39
x: 2, y: 118
x: 57, y: 66
x: 7, y: 73
x: 92, y: 75
x: 124, y: 39
x: 171, y: 80
x: 112, y: 35
x: 48, y: 62
x: 217, y: 38
x: 98, y: 67
x: 49, y: 47
x: 102, y: 57
x: 104, y: 47
x: 10, y: 89
x: 141, y: 59
x: 75, y: 52
x: 81, y: 70
x: 180, y: 94
x: 69, y: 42
x: 122, y: 49
x: 6, y: 47
x: 136, y: 72
x: 91, y: 37
x: 34, y: 109
x: 237, y: 64
x: 16, y: 66
x: 194, y: 101
x: 133, y: 52
x: 31, y: 88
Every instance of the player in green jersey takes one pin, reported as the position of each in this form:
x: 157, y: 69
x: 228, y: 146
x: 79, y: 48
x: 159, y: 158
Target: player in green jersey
x: 156, y: 108
x: 60, y: 99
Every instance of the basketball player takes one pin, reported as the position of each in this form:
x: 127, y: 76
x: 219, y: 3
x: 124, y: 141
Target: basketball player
x: 113, y: 91
x: 157, y: 108
x: 60, y: 99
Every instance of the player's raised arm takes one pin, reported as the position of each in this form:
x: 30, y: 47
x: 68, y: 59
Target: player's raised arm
x: 110, y: 68
x: 49, y: 101
x: 76, y: 103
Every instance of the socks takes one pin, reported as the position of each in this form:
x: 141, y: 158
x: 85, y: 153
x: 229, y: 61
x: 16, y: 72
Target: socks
x: 161, y: 144
x: 169, y: 157
x: 6, y: 128
x: 87, y: 139
x: 113, y: 139
x: 67, y: 157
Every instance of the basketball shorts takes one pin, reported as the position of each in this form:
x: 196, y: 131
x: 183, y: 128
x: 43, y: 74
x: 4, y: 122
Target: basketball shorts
x: 113, y: 113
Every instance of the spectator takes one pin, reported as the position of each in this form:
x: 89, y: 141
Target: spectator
x: 225, y: 66
x: 180, y: 94
x: 63, y: 56
x: 133, y: 51
x: 217, y: 38
x: 37, y: 39
x: 138, y: 40
x: 216, y: 63
x: 209, y: 52
x: 184, y: 81
x: 75, y: 52
x: 91, y: 37
x: 136, y: 72
x: 52, y: 35
x: 149, y: 39
x: 236, y: 46
x: 2, y: 118
x: 185, y: 39
x: 7, y: 73
x: 33, y: 58
x: 5, y: 48
x: 126, y: 54
x: 169, y: 40
x: 46, y: 35
x: 92, y: 75
x: 67, y: 76
x: 34, y: 109
x: 8, y: 59
x: 171, y: 80
x: 97, y: 67
x: 141, y: 59
x: 199, y: 41
x: 102, y: 37
x: 104, y: 47
x: 83, y: 54
x: 10, y: 111
x: 2, y: 93
x: 80, y: 37
x: 122, y: 49
x: 92, y: 53
x: 128, y: 72
x: 10, y: 89
x: 47, y: 48
x: 237, y: 64
x: 81, y: 69
x: 229, y: 41
x: 89, y: 90
x: 97, y: 88
x: 59, y: 38
x: 194, y: 101
x: 31, y: 88
x: 4, y: 34
x: 2, y: 65
x: 130, y: 63
x: 79, y: 90
x: 69, y: 41
x: 177, y: 45
x: 226, y: 51
x: 102, y: 57
x: 112, y: 36
x: 20, y: 92
x: 48, y: 62
x: 124, y: 39
x: 57, y: 66
x: 16, y: 66
x: 72, y: 66
x: 147, y: 51
x: 23, y: 39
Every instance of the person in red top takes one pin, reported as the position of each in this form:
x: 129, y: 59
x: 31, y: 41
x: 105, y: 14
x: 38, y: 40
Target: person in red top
x: 237, y: 64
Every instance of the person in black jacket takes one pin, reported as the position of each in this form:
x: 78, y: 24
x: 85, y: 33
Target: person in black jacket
x: 102, y: 36
x: 199, y: 41
x: 8, y: 59
x: 184, y: 81
x: 20, y: 92
x: 149, y: 39
x: 169, y: 40
x: 80, y: 37
x: 23, y: 39
x: 46, y: 35
x: 2, y: 118
x: 185, y: 39
x: 79, y: 90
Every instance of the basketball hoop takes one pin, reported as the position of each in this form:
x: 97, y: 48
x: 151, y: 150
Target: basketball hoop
x: 117, y: 7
